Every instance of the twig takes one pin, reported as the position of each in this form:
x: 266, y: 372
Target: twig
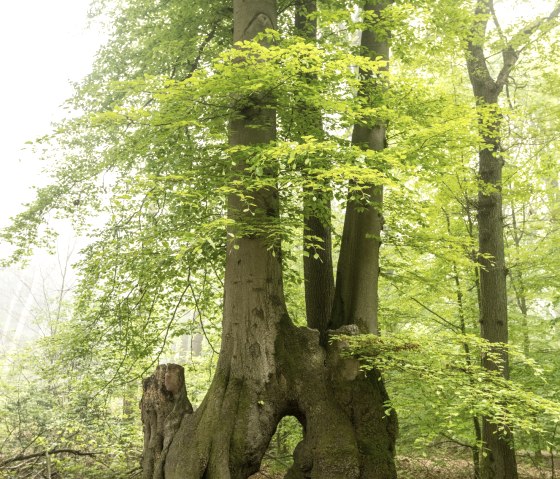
x: 25, y: 457
x: 445, y: 321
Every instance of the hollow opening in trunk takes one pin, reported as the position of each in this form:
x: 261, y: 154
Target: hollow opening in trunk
x: 279, y: 455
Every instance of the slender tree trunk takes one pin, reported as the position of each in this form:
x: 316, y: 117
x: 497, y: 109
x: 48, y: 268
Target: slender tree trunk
x: 516, y: 279
x: 498, y: 458
x: 317, y: 262
x: 466, y: 348
x: 356, y: 294
x: 268, y: 368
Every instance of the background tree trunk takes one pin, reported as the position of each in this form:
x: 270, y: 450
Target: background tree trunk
x: 498, y: 458
x: 318, y: 262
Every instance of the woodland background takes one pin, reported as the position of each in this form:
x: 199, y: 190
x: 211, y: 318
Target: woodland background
x: 69, y: 398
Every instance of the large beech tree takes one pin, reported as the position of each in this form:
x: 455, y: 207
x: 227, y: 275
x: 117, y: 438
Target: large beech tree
x: 268, y: 368
x: 209, y: 154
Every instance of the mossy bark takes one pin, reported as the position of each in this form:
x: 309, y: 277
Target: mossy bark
x: 347, y: 432
x: 164, y: 403
x: 268, y: 368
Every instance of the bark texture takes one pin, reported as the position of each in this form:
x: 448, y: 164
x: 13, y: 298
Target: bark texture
x: 164, y: 403
x: 356, y: 297
x: 268, y: 368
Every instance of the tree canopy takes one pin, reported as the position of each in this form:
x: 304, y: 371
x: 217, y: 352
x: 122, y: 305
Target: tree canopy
x: 186, y: 152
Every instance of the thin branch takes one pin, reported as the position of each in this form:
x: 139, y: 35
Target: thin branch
x: 25, y: 457
x: 199, y: 316
x: 534, y: 26
x: 497, y: 23
x: 454, y: 441
x: 511, y: 54
x: 427, y: 308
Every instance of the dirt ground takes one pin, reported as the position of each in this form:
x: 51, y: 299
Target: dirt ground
x: 449, y: 468
x: 444, y: 468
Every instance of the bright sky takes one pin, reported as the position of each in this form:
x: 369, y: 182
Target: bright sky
x: 44, y: 45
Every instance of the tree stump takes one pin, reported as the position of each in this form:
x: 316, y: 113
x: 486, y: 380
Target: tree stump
x: 163, y: 405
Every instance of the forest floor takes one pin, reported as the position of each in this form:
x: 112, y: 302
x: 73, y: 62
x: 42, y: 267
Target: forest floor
x: 450, y: 468
x: 424, y: 468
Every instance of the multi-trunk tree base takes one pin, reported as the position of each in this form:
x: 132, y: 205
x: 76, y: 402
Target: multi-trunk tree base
x: 347, y: 432
x: 268, y: 368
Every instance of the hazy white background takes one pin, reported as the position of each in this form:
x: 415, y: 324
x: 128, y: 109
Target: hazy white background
x: 44, y: 46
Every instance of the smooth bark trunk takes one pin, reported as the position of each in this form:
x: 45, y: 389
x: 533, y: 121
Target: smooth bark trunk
x: 268, y: 368
x: 356, y: 293
x: 468, y: 359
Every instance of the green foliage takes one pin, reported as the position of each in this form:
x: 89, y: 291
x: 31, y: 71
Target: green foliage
x: 146, y: 153
x: 155, y: 164
x: 444, y: 373
x: 46, y: 410
x: 279, y: 456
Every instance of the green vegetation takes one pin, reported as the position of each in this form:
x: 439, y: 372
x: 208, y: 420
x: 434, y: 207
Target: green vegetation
x: 188, y: 155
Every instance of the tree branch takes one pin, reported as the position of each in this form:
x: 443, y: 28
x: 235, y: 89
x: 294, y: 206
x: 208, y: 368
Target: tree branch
x: 511, y: 54
x: 25, y: 457
x: 476, y: 61
x: 419, y: 303
x: 534, y: 26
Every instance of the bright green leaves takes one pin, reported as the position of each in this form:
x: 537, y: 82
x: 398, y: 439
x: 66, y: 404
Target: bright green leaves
x: 443, y: 370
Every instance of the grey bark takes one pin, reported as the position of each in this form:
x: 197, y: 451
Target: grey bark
x: 268, y: 368
x: 356, y: 295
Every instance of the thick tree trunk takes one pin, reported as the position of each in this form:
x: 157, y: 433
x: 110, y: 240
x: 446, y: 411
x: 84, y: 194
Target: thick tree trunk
x: 268, y: 368
x: 346, y: 432
x: 356, y: 297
